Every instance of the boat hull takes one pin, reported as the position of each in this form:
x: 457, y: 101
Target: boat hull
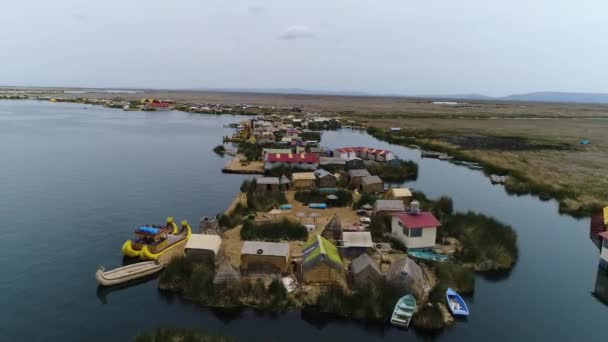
x: 404, y: 311
x: 147, y: 254
x: 128, y: 251
x: 456, y: 304
x: 126, y: 273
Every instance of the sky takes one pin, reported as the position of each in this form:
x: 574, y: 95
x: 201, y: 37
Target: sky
x: 409, y: 47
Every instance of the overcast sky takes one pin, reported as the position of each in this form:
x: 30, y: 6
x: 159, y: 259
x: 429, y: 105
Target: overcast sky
x: 380, y: 46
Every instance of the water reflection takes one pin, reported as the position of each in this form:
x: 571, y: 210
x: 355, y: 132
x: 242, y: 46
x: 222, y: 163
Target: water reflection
x: 601, y: 283
x: 104, y: 291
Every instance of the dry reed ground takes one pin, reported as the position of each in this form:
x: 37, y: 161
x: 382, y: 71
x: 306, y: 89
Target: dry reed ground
x: 232, y: 243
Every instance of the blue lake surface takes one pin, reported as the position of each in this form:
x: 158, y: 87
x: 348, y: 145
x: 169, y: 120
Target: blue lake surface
x: 75, y: 180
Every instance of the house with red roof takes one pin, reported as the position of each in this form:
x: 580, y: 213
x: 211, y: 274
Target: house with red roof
x: 158, y: 106
x: 307, y: 161
x: 415, y: 229
x: 367, y: 153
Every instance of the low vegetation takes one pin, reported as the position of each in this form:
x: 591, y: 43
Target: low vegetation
x: 396, y: 171
x: 496, y: 155
x: 256, y: 202
x: 431, y: 316
x: 220, y: 150
x: 486, y: 243
x: 345, y: 197
x: 251, y: 151
x: 441, y: 208
x: 181, y: 335
x: 369, y: 303
x: 363, y: 198
x: 274, y: 231
x: 194, y: 281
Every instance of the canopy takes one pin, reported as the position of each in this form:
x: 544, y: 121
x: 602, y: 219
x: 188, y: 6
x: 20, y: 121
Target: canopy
x: 147, y: 230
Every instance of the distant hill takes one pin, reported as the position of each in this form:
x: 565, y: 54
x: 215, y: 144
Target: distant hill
x: 559, y: 97
x: 472, y: 96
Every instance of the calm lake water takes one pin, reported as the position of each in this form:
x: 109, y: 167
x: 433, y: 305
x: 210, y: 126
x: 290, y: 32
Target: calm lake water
x: 75, y: 179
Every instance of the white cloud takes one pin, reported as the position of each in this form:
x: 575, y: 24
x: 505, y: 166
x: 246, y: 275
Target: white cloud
x: 297, y: 32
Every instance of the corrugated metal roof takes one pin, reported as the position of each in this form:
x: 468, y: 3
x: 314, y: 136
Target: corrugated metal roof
x: 357, y: 239
x: 332, y: 160
x: 303, y: 175
x: 419, y: 220
x: 371, y: 180
x: 358, y: 173
x: 322, y: 173
x: 204, y: 242
x: 401, y: 192
x: 266, y: 248
x: 394, y: 205
x: 268, y: 180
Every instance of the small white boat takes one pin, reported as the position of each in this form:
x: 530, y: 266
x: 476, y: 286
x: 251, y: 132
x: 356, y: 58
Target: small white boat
x: 127, y: 273
x: 403, y: 312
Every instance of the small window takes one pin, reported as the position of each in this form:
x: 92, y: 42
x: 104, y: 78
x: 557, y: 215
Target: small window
x: 414, y: 232
x: 605, y: 243
x: 400, y: 224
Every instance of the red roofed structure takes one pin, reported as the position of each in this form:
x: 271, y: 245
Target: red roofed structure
x: 158, y: 106
x: 364, y: 153
x: 308, y: 161
x: 415, y: 230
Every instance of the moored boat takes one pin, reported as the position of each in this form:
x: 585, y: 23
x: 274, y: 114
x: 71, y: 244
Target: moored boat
x: 456, y: 304
x: 427, y: 255
x: 155, y: 251
x: 152, y: 240
x: 403, y: 312
x: 430, y: 154
x: 127, y: 273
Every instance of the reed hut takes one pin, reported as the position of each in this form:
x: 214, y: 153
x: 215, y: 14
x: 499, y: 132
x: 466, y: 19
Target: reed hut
x: 333, y: 229
x: 226, y: 275
x: 321, y: 262
x: 267, y: 184
x: 303, y: 180
x: 372, y: 184
x: 405, y: 275
x: 364, y: 271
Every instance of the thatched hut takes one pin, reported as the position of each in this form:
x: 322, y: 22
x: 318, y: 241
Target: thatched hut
x: 333, y: 228
x: 364, y: 271
x: 321, y: 262
x: 407, y: 276
x: 226, y: 274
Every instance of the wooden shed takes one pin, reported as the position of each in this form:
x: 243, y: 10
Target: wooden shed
x: 321, y: 262
x: 355, y: 177
x: 303, y: 180
x: 259, y: 257
x: 372, y: 184
x: 325, y: 179
x: 267, y: 184
x: 364, y: 271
